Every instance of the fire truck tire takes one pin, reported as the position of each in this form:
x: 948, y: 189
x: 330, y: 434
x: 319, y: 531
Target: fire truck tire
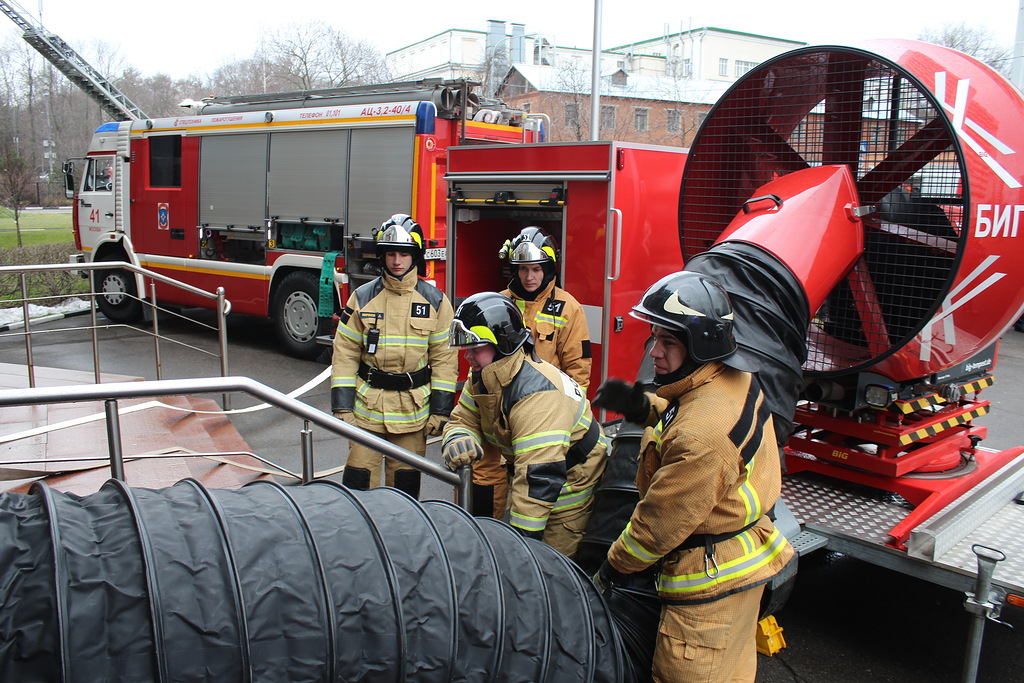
x: 117, y: 297
x: 295, y: 317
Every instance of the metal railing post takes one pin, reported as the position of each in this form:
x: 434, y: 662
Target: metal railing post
x: 156, y: 331
x: 465, y: 488
x: 95, y: 336
x: 28, y: 334
x: 981, y: 607
x: 306, y: 438
x: 222, y: 334
x: 114, y: 439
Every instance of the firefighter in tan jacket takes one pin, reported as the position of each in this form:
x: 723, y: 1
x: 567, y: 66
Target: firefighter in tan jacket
x: 560, y: 337
x: 536, y: 416
x: 709, y: 472
x: 393, y: 372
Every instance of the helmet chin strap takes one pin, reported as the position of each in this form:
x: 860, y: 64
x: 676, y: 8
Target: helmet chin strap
x: 688, y: 367
x: 387, y: 271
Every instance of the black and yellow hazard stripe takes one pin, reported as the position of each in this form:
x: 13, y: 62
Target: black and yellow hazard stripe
x: 912, y: 406
x: 932, y: 430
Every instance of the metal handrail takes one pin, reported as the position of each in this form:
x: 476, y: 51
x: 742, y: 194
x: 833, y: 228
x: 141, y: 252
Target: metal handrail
x: 110, y: 265
x: 223, y: 308
x: 109, y: 393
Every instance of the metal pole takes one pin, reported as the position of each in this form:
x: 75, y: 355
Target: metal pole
x: 222, y: 335
x: 114, y: 439
x: 306, y: 438
x: 1017, y: 70
x: 28, y: 334
x: 980, y: 607
x: 595, y: 77
x: 95, y: 337
x: 465, y: 488
x: 156, y: 331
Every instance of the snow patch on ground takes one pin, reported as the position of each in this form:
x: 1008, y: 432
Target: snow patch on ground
x: 16, y: 314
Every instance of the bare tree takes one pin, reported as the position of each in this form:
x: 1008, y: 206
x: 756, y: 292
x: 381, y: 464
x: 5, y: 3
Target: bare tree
x: 314, y: 55
x: 15, y: 179
x: 975, y: 41
x: 574, y: 83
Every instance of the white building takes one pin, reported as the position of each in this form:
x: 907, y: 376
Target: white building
x: 704, y: 54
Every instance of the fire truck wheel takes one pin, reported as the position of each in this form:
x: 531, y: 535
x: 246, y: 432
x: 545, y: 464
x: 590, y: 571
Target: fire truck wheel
x: 295, y: 315
x: 117, y: 297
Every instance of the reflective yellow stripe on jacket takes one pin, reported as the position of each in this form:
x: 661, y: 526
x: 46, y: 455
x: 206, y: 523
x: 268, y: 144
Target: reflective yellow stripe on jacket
x: 747, y: 563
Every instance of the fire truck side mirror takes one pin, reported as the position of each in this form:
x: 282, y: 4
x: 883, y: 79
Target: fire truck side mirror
x: 69, y: 179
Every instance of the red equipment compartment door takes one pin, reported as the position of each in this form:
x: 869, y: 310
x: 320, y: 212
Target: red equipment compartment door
x: 164, y: 216
x: 164, y: 178
x: 609, y: 206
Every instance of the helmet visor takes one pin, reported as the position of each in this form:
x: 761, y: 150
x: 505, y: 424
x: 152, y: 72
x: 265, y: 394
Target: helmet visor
x: 468, y: 337
x: 528, y: 252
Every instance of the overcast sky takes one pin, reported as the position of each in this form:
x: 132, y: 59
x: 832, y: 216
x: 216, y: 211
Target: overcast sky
x: 181, y: 38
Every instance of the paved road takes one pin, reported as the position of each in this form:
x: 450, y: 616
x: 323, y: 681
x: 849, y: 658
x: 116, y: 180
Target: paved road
x: 846, y: 621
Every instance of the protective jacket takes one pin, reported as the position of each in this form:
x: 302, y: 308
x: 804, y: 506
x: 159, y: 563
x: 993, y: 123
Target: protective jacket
x: 391, y: 364
x: 709, y: 471
x: 559, y: 329
x: 540, y: 420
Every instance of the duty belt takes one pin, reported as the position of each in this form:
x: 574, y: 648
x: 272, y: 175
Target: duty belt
x: 394, y: 381
x: 707, y: 540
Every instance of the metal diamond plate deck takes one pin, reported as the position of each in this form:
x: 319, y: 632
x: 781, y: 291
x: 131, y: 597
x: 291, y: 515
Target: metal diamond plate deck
x: 862, y: 519
x: 842, y: 510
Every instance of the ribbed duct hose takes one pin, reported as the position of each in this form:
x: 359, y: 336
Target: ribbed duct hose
x: 771, y: 320
x: 273, y: 583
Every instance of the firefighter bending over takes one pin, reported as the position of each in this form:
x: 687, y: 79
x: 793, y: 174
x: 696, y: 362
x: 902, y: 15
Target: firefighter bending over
x: 560, y: 337
x: 537, y: 417
x: 393, y: 372
x: 709, y: 472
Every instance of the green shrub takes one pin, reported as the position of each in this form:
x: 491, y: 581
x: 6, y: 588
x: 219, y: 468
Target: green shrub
x: 53, y: 287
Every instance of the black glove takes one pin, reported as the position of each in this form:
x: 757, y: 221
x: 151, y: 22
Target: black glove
x: 623, y: 397
x: 608, y: 576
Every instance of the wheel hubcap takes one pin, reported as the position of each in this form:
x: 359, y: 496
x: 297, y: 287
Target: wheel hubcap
x: 114, y: 289
x: 300, y: 316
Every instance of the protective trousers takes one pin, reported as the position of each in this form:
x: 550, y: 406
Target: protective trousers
x: 565, y: 528
x: 490, y: 476
x: 362, y: 469
x: 713, y: 642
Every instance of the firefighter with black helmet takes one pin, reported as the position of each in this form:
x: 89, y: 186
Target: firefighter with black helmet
x: 537, y: 417
x: 393, y: 372
x: 560, y: 337
x: 709, y: 473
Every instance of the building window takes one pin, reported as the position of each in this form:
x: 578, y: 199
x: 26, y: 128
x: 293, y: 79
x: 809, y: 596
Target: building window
x: 743, y: 67
x: 608, y: 117
x: 640, y: 119
x: 723, y: 66
x: 572, y: 114
x: 674, y: 119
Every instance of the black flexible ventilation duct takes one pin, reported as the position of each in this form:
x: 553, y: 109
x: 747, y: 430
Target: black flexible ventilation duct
x: 772, y: 315
x: 273, y: 583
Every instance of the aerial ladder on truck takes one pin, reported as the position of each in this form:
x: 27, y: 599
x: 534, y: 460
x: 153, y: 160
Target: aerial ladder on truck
x: 73, y: 65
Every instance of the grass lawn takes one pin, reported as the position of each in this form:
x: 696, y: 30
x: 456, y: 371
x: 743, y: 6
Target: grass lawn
x: 36, y: 228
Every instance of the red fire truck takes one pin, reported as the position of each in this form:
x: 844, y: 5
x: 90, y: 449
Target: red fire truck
x: 250, y: 193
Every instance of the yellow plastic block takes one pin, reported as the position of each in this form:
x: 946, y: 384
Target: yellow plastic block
x: 769, y: 636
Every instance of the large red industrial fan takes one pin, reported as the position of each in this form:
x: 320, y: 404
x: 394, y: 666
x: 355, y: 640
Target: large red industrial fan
x: 863, y: 205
